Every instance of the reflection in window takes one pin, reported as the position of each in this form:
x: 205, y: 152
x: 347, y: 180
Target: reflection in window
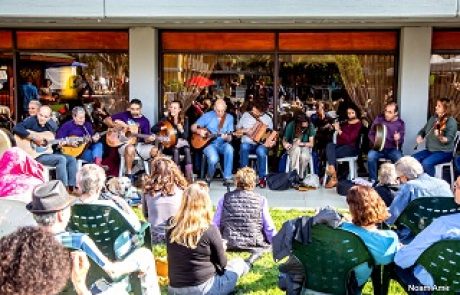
x: 7, y: 81
x: 445, y: 81
x: 364, y: 80
x: 198, y: 79
x: 68, y: 79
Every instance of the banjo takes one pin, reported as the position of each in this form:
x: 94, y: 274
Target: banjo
x: 380, y: 137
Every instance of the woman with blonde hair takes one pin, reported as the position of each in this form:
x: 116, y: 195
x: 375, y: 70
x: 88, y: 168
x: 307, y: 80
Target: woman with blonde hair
x: 163, y: 191
x: 196, y: 252
x: 243, y: 217
x: 367, y: 210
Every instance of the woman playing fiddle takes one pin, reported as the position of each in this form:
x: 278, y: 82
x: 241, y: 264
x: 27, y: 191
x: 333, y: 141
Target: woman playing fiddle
x: 439, y: 133
x: 180, y: 125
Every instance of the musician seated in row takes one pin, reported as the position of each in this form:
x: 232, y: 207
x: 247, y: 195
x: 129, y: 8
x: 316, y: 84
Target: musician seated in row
x: 132, y: 121
x: 33, y: 107
x: 347, y: 144
x: 90, y: 149
x: 298, y: 139
x: 180, y: 126
x: 392, y: 142
x: 250, y: 126
x: 40, y: 130
x: 217, y: 127
x: 439, y: 133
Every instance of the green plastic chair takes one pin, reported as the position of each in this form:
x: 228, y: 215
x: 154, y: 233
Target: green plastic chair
x: 442, y: 261
x: 422, y: 211
x: 329, y: 259
x: 107, y: 227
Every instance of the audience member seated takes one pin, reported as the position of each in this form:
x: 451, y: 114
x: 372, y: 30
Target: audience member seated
x: 33, y: 262
x: 442, y: 228
x: 387, y: 185
x: 196, y: 251
x: 51, y: 209
x: 162, y: 196
x: 367, y: 210
x: 414, y: 184
x: 19, y: 174
x: 347, y: 144
x: 242, y: 215
x: 298, y: 139
x: 90, y: 181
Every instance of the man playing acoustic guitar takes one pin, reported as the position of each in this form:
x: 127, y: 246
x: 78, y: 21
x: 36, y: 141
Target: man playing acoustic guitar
x: 77, y: 127
x: 30, y: 129
x: 134, y: 122
x: 217, y: 124
x: 250, y: 119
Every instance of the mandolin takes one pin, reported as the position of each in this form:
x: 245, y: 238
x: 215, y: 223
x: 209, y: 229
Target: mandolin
x: 75, y: 150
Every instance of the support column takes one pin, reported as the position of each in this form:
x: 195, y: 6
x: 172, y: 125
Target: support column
x: 414, y: 73
x: 143, y: 69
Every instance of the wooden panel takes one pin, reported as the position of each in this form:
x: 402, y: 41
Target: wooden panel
x: 219, y: 41
x: 6, y: 39
x: 338, y: 41
x: 72, y: 40
x: 445, y: 40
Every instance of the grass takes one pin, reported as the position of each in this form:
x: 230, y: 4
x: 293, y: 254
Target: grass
x: 263, y: 277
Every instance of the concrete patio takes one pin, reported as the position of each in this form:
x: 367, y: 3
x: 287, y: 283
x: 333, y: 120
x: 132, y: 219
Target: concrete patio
x: 289, y: 199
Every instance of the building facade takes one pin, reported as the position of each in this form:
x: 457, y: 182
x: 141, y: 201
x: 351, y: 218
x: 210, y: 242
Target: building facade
x: 361, y: 51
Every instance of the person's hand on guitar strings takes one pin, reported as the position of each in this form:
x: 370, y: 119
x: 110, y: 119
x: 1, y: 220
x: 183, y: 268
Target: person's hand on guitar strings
x: 226, y: 137
x: 151, y: 138
x: 202, y: 132
x: 38, y: 140
x: 419, y: 139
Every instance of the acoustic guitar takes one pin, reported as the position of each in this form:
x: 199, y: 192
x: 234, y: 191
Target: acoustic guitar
x: 120, y: 136
x: 36, y: 150
x: 79, y: 146
x: 169, y: 133
x: 199, y: 142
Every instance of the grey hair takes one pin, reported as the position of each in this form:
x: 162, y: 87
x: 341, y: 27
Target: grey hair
x: 91, y: 179
x: 77, y: 110
x: 35, y: 102
x: 387, y: 174
x: 47, y: 219
x: 409, y: 166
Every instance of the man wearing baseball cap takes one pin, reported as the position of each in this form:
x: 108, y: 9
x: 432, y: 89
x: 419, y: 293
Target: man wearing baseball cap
x: 51, y: 210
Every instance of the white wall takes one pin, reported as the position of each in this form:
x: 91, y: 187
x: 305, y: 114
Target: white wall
x: 143, y: 69
x: 414, y: 72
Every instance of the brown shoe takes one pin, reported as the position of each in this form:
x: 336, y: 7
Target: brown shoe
x: 332, y: 182
x: 330, y: 170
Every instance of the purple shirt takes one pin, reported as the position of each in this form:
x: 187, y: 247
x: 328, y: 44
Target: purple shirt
x: 267, y: 222
x: 143, y: 122
x: 392, y: 127
x: 69, y: 128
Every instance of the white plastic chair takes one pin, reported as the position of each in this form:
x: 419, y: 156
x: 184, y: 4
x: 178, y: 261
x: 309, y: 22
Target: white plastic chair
x: 311, y: 163
x: 121, y: 170
x: 253, y: 159
x: 47, y: 172
x: 13, y: 214
x: 440, y: 167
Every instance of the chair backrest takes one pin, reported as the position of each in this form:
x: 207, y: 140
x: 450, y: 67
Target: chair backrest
x: 102, y: 223
x: 456, y: 141
x: 329, y: 259
x: 422, y: 211
x: 13, y: 214
x: 442, y: 261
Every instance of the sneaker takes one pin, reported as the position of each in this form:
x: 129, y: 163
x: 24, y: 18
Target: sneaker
x: 262, y: 183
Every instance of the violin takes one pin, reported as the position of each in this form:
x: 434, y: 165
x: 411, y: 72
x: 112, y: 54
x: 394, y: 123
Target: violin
x: 441, y: 125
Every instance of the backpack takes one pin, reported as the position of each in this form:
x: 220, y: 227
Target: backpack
x: 282, y: 181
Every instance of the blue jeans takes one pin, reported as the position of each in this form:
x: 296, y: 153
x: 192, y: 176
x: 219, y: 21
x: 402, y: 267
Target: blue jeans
x: 212, y: 152
x: 66, y: 167
x: 92, y: 152
x: 261, y: 152
x: 373, y: 157
x: 430, y: 159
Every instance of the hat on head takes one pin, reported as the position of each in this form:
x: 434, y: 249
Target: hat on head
x: 49, y: 197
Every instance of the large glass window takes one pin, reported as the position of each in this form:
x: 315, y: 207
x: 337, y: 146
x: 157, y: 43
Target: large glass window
x: 365, y: 80
x: 200, y: 78
x: 76, y: 78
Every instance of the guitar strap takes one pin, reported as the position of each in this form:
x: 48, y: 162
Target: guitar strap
x: 221, y: 123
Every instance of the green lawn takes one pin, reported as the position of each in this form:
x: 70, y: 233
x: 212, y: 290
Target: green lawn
x: 263, y: 277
